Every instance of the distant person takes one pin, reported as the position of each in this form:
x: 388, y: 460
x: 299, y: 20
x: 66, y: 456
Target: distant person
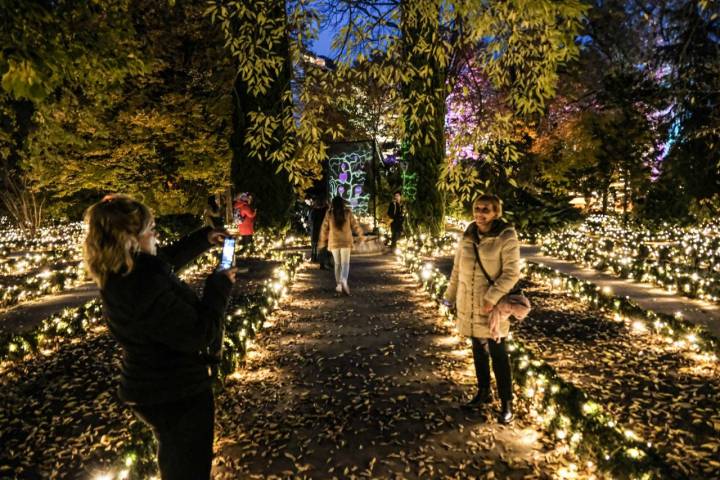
x: 396, y: 212
x: 163, y: 328
x: 212, y: 215
x: 245, y: 217
x: 492, y: 241
x: 336, y: 233
x: 317, y: 215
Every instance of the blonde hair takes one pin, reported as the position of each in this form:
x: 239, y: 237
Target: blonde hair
x: 114, y: 224
x: 493, y: 200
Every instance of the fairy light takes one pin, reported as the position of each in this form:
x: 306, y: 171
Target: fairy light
x: 638, y: 326
x: 590, y: 408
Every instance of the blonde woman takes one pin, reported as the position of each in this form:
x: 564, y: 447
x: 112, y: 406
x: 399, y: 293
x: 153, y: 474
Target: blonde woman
x: 491, y: 244
x: 336, y: 234
x: 164, y: 329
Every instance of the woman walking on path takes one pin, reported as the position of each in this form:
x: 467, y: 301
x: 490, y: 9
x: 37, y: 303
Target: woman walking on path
x: 336, y: 234
x: 493, y: 242
x: 396, y: 212
x: 166, y: 332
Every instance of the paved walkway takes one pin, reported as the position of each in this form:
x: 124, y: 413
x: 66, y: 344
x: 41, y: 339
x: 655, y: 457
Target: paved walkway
x: 646, y: 295
x: 366, y: 386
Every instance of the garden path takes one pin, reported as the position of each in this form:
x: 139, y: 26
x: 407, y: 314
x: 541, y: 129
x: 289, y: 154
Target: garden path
x: 366, y: 386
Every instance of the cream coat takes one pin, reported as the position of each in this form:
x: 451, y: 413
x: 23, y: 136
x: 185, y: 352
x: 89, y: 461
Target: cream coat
x: 499, y: 250
x: 335, y: 237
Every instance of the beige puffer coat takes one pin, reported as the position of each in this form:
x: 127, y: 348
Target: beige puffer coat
x: 499, y: 250
x: 335, y: 237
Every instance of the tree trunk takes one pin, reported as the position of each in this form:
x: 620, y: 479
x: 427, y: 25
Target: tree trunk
x: 274, y: 196
x: 425, y: 127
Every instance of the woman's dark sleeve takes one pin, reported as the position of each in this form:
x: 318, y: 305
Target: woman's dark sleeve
x: 183, y: 251
x: 189, y: 326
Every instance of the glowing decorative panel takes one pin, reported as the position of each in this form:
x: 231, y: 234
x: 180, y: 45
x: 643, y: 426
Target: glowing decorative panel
x: 409, y: 182
x: 348, y: 166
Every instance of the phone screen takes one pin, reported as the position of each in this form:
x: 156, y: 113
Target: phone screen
x: 228, y: 253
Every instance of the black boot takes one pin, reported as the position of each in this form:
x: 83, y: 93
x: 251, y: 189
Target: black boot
x: 506, y: 413
x: 482, y: 397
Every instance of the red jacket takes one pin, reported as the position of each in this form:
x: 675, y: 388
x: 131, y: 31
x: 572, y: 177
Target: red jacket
x: 247, y: 226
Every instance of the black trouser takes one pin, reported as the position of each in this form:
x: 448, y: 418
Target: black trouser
x: 396, y: 232
x: 184, y: 431
x: 483, y: 349
x: 246, y: 240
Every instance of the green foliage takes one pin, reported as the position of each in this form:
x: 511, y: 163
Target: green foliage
x: 706, y: 209
x: 525, y: 42
x: 422, y: 105
x: 53, y: 45
x: 693, y: 50
x: 664, y: 200
x: 262, y: 101
x: 266, y: 41
x: 139, y: 102
x: 536, y: 214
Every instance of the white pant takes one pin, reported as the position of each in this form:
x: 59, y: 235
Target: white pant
x: 341, y: 256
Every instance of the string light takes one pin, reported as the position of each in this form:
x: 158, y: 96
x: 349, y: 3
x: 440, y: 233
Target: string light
x: 680, y: 260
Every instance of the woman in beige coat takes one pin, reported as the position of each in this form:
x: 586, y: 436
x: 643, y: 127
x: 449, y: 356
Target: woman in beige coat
x: 496, y: 244
x: 336, y: 234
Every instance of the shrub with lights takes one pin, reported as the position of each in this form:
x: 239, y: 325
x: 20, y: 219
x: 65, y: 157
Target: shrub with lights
x: 45, y: 263
x: 680, y: 260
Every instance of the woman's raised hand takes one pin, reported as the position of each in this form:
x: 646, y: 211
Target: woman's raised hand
x: 230, y: 273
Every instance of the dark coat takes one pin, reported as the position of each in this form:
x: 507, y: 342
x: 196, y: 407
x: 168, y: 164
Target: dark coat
x: 396, y: 211
x: 163, y: 327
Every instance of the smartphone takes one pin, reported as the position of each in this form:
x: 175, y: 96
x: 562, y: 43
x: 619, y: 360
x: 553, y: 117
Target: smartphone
x: 227, y: 259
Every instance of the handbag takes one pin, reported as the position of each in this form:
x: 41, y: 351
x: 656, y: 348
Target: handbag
x: 515, y: 291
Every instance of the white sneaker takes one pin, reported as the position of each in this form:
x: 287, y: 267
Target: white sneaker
x: 339, y: 288
x: 345, y: 288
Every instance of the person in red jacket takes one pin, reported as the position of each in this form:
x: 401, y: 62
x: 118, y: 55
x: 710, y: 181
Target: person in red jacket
x: 245, y: 217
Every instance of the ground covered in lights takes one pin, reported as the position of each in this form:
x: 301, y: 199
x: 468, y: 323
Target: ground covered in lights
x: 663, y: 394
x: 367, y: 386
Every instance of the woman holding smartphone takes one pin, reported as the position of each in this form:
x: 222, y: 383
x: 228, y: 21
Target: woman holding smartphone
x: 164, y: 329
